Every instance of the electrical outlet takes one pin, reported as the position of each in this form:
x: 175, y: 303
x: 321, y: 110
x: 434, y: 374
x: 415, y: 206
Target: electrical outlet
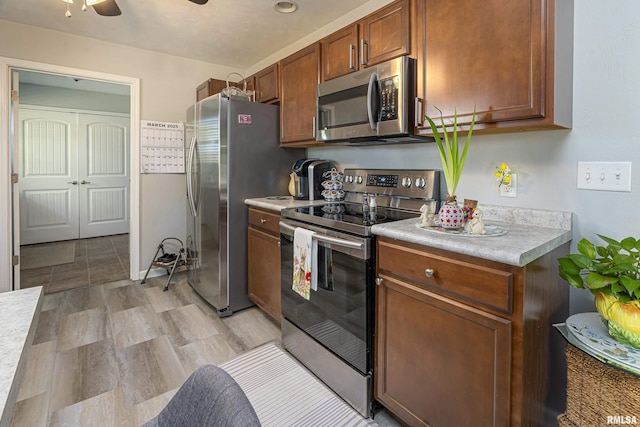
x: 604, y: 176
x: 510, y: 190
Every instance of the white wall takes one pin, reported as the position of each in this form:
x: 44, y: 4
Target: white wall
x: 606, y: 114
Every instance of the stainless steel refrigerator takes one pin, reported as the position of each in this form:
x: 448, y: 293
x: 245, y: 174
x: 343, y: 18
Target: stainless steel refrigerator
x: 233, y: 153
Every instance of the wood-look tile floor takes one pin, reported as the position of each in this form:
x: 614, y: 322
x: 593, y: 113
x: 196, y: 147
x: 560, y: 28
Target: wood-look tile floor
x: 114, y: 354
x: 97, y: 260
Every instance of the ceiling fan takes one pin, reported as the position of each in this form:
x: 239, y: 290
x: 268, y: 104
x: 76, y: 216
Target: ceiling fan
x: 107, y: 7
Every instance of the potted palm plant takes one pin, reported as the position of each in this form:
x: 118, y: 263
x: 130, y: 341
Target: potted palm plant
x: 453, y: 159
x: 612, y: 274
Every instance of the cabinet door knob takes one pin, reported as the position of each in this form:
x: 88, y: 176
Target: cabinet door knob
x: 379, y: 281
x: 279, y: 243
x: 429, y: 272
x: 262, y: 220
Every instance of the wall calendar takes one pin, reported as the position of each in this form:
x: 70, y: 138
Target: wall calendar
x: 162, y: 147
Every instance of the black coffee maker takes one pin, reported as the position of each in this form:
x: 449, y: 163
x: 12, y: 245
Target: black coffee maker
x: 308, y: 178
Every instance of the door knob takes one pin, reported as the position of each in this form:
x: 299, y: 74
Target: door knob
x: 379, y: 281
x: 73, y: 182
x: 85, y: 182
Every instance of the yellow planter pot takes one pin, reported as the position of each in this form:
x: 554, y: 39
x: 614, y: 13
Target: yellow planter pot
x: 623, y: 319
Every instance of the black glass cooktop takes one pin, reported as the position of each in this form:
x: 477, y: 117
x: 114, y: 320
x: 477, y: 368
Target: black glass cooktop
x: 347, y: 216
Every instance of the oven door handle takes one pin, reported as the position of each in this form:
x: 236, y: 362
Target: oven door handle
x: 328, y: 239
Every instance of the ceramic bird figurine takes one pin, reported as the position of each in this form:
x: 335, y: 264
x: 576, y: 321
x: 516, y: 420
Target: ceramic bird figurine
x: 475, y: 225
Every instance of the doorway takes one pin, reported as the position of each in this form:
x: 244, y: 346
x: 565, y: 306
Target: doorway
x: 9, y: 201
x: 74, y: 173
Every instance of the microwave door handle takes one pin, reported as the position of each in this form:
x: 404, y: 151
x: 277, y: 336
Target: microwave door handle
x: 373, y: 122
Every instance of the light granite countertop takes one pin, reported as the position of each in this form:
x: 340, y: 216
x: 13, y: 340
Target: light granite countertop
x: 19, y: 311
x: 530, y: 233
x: 277, y: 203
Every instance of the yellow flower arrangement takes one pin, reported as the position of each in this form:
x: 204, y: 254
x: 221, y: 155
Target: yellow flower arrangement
x: 503, y: 174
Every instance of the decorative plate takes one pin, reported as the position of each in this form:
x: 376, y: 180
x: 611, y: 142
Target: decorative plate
x: 491, y: 230
x: 571, y: 338
x: 592, y: 333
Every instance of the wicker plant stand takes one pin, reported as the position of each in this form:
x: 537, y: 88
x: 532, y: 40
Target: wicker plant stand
x: 596, y: 392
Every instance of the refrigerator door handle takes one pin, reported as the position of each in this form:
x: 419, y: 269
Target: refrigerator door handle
x: 192, y: 202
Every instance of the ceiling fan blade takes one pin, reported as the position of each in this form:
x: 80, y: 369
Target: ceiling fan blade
x: 107, y: 8
x: 199, y: 1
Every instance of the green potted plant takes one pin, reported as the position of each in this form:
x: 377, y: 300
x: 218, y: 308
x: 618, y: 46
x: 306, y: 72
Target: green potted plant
x: 452, y: 158
x: 612, y: 274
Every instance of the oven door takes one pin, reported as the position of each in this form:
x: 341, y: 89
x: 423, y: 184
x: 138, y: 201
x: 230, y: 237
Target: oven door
x: 339, y: 314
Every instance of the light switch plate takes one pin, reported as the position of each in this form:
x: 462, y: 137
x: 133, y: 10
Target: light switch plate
x: 604, y: 176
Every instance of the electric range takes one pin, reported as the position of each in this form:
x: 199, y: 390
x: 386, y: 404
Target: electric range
x: 374, y: 196
x: 330, y: 329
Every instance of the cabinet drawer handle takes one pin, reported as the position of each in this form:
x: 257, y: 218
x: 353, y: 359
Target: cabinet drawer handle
x: 429, y: 272
x: 262, y: 220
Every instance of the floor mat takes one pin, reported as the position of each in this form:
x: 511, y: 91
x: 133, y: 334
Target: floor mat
x: 283, y: 393
x: 36, y: 256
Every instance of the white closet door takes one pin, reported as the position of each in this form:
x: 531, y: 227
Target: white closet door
x: 103, y: 174
x: 48, y: 196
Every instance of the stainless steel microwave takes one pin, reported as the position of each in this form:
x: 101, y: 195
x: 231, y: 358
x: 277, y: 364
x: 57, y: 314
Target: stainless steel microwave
x: 372, y: 106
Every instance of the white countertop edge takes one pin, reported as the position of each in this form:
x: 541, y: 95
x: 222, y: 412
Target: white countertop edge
x: 277, y: 203
x: 19, y: 314
x: 520, y: 246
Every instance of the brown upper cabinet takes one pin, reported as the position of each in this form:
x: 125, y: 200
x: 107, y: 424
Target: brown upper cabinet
x: 214, y: 86
x: 511, y: 60
x: 340, y: 53
x: 208, y: 88
x: 383, y: 35
x: 299, y: 74
x: 266, y: 84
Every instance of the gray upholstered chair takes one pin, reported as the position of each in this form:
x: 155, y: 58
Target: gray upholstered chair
x: 209, y: 398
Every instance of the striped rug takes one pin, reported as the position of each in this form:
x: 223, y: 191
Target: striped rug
x: 283, y: 393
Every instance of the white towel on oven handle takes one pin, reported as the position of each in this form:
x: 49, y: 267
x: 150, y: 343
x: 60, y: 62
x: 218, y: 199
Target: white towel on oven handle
x: 303, y: 240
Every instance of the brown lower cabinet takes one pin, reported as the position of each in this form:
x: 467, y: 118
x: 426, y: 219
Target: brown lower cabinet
x: 264, y: 261
x: 463, y: 341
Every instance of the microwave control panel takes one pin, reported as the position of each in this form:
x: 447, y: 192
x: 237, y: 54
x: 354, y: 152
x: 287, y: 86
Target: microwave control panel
x: 389, y: 99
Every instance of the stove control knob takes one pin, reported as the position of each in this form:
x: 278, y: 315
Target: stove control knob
x: 348, y: 178
x: 358, y: 180
x: 420, y: 182
x: 406, y: 182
